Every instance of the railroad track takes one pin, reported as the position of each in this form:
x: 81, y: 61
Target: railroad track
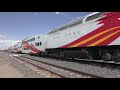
x: 100, y: 63
x: 61, y: 71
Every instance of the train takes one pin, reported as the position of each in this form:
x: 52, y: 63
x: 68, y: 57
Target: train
x: 15, y: 48
x: 94, y: 37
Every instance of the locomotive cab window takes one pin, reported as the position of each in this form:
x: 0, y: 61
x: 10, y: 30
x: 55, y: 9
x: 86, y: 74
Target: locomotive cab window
x: 76, y: 23
x: 94, y: 16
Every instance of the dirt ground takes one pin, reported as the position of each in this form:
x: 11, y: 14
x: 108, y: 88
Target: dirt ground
x: 6, y: 70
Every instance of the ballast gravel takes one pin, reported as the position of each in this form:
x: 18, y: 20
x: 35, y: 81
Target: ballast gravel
x: 103, y: 72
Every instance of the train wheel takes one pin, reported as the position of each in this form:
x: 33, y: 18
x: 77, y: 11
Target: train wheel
x: 42, y: 54
x: 106, y: 56
x: 90, y: 56
x: 116, y: 56
x: 61, y: 55
x: 117, y: 59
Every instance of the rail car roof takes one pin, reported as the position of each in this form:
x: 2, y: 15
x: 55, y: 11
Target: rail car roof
x: 72, y: 23
x: 31, y: 37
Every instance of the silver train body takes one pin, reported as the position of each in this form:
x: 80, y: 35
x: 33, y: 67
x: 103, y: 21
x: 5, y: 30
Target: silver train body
x: 94, y: 36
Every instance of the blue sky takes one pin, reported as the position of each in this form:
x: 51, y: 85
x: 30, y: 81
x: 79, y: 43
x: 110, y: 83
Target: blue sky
x: 15, y: 26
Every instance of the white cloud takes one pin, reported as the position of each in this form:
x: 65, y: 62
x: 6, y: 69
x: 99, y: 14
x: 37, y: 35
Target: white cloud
x: 66, y: 16
x: 57, y: 13
x: 2, y: 36
x: 4, y: 44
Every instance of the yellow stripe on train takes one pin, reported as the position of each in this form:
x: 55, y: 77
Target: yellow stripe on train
x: 96, y: 35
x: 103, y: 39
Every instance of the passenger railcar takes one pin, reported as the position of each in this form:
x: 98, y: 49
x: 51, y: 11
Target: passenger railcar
x: 34, y: 45
x: 18, y: 47
x: 15, y: 48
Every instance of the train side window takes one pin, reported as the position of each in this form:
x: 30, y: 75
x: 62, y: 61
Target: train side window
x: 38, y: 37
x: 33, y: 39
x: 26, y: 48
x: 40, y: 43
x: 37, y: 44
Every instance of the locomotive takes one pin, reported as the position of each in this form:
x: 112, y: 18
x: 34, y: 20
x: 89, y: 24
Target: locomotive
x: 94, y: 36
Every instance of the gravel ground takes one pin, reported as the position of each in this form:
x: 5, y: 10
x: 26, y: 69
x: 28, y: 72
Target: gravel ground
x: 62, y: 72
x: 95, y: 70
x: 27, y: 70
x: 28, y: 73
